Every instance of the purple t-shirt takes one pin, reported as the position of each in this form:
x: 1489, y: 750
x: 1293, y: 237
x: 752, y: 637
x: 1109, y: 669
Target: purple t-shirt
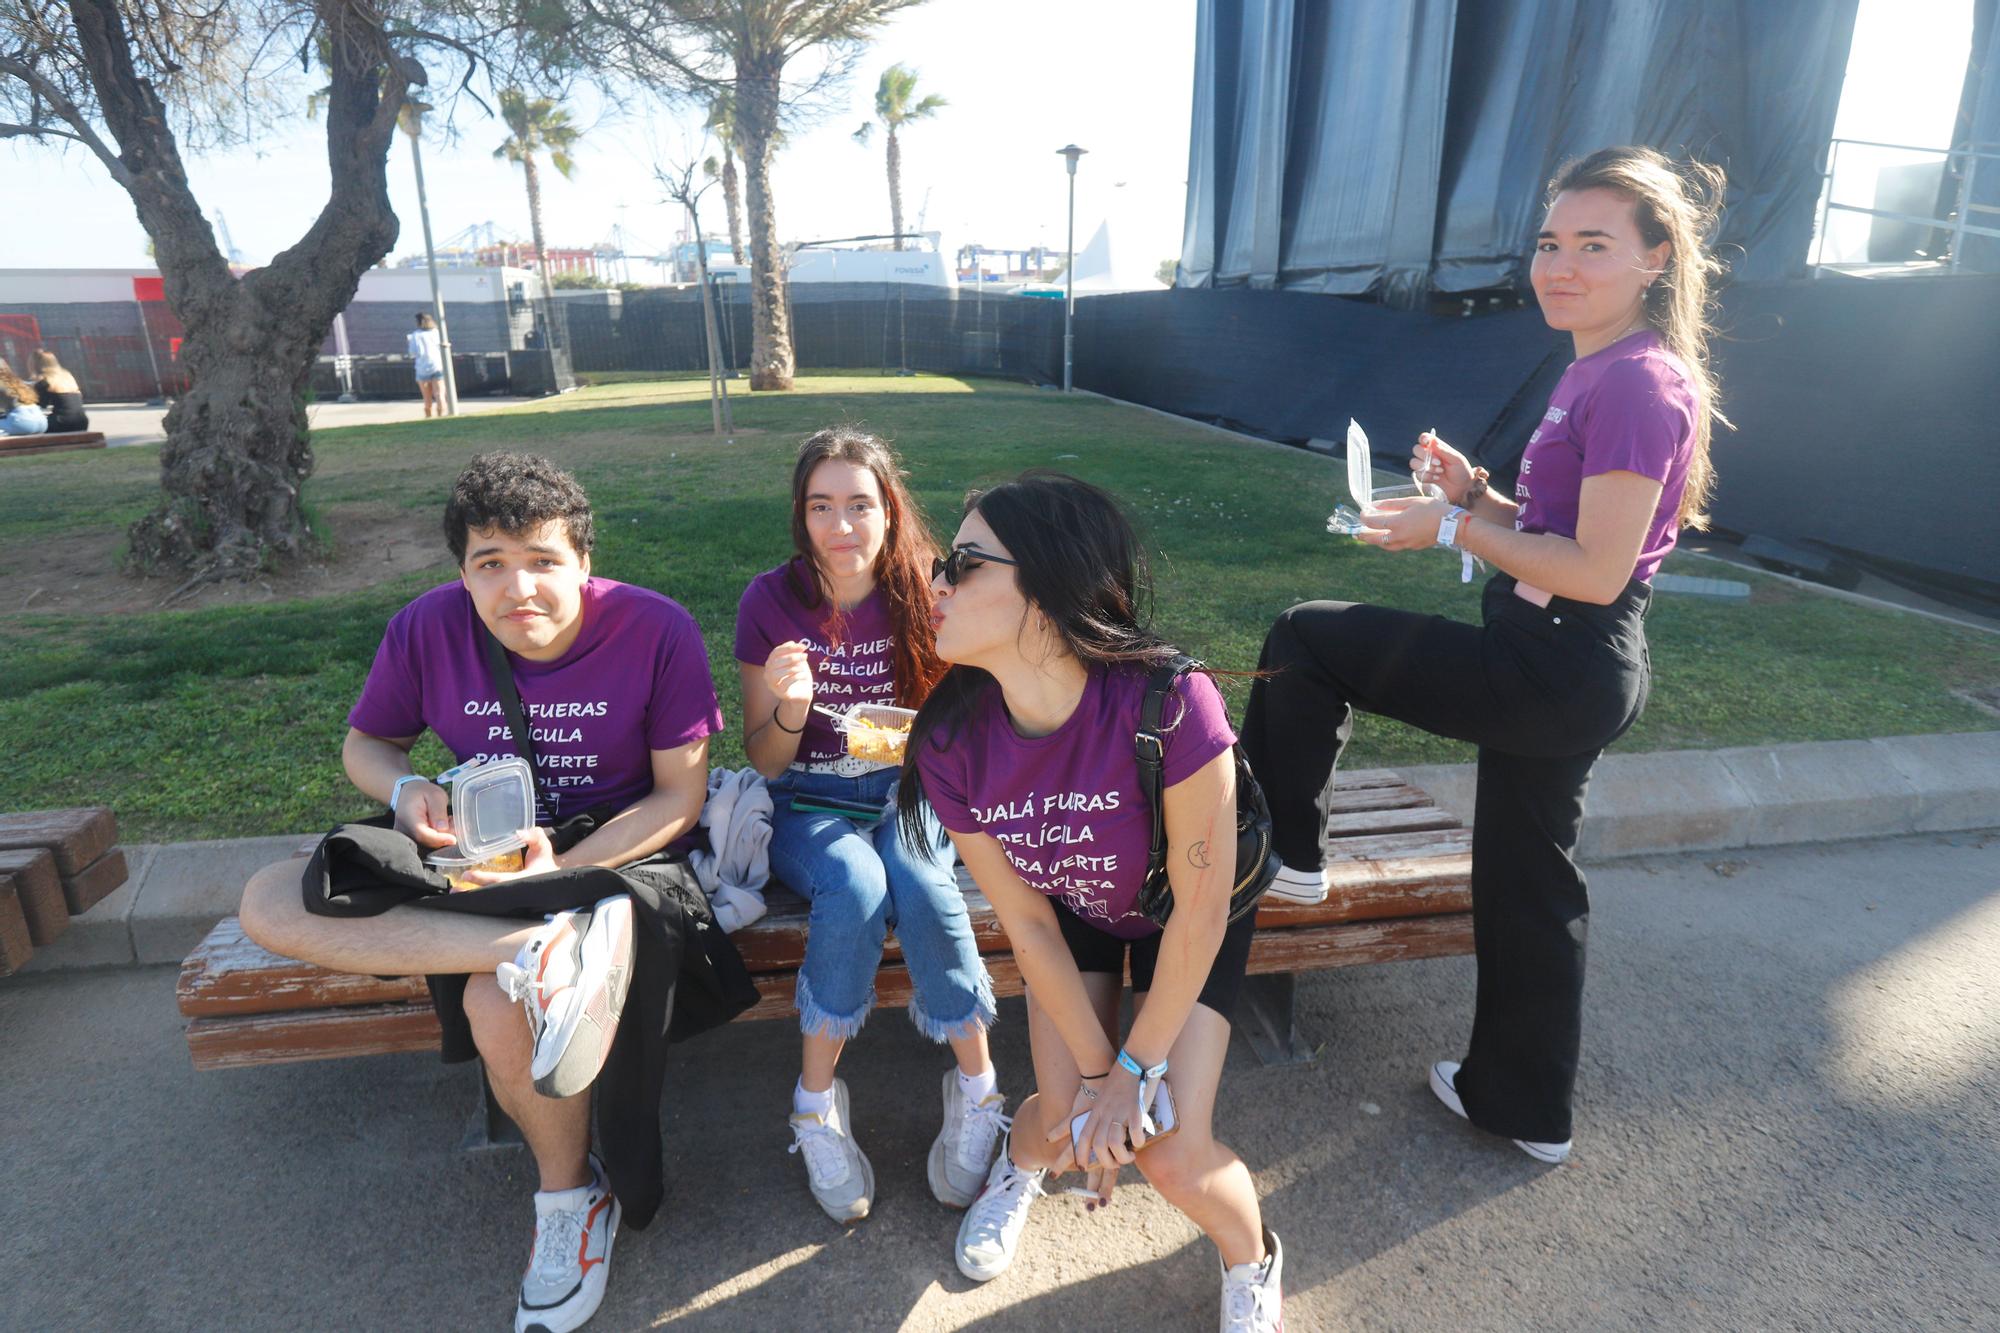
x: 1629, y: 407
x: 858, y: 668
x: 636, y: 680
x: 1066, y: 807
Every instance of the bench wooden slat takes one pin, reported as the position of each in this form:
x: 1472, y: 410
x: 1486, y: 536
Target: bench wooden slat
x: 76, y: 836
x: 1395, y: 797
x: 229, y: 974
x: 95, y: 882
x: 1364, y: 823
x: 33, y: 871
x: 16, y: 944
x: 378, y: 1029
x: 316, y: 1034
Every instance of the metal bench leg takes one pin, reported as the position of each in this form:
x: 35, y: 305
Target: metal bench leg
x: 490, y: 1126
x: 1264, y: 1017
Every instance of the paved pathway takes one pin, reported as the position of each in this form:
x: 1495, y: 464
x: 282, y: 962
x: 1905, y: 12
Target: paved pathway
x: 126, y: 424
x: 1789, y: 1109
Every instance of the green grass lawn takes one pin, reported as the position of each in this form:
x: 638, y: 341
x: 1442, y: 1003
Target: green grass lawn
x: 227, y: 720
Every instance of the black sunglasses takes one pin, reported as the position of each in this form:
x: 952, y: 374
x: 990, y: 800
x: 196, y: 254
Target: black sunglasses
x: 963, y: 560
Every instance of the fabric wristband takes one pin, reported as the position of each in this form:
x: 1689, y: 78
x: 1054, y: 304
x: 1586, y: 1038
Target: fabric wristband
x: 396, y: 791
x: 1131, y: 1066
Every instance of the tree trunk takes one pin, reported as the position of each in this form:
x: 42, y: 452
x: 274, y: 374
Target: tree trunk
x: 732, y: 201
x: 236, y: 454
x: 757, y: 94
x: 895, y: 187
x: 534, y: 176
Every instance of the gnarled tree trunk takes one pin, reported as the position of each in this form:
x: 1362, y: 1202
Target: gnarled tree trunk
x: 237, y: 454
x: 757, y: 101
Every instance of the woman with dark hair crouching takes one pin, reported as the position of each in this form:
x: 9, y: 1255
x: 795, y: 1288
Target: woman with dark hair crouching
x: 1025, y: 750
x: 1559, y: 669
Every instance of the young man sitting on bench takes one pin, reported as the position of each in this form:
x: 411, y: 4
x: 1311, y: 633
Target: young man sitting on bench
x: 615, y: 684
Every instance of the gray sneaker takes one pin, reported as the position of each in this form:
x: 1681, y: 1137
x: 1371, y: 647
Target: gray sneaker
x: 836, y: 1168
x: 991, y: 1231
x: 963, y: 1151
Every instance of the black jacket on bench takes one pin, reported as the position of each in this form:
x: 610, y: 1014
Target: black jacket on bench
x: 686, y: 975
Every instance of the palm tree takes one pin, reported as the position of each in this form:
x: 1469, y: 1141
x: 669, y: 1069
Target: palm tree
x: 693, y: 41
x: 721, y: 123
x: 896, y: 105
x: 537, y: 126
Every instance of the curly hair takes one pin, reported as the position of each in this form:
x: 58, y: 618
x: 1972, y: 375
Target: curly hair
x: 516, y: 494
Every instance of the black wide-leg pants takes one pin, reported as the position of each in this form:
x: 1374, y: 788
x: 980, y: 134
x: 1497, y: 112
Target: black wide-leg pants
x: 1541, y: 691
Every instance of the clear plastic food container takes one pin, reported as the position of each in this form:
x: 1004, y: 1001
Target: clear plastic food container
x: 490, y: 804
x: 878, y: 732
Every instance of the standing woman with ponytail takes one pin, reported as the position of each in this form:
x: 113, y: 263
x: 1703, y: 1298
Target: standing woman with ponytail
x: 847, y: 620
x: 1559, y: 669
x: 1026, y: 751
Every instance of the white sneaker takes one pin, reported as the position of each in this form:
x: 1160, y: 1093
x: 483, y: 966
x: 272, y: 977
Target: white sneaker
x: 991, y: 1231
x: 1252, y: 1294
x: 963, y: 1151
x: 1299, y: 886
x: 571, y: 1259
x: 1444, y: 1076
x: 571, y: 977
x: 842, y: 1180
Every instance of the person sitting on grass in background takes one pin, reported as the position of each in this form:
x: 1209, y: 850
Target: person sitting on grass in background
x: 425, y: 346
x: 20, y: 408
x: 60, y: 395
x: 846, y: 621
x: 616, y: 683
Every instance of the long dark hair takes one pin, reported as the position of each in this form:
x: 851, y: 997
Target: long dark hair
x: 1080, y: 565
x: 902, y: 571
x: 1680, y: 204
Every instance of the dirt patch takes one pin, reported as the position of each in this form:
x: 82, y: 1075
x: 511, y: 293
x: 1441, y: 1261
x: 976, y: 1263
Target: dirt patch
x: 77, y: 574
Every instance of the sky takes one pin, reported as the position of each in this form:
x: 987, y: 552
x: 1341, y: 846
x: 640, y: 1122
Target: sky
x: 984, y: 170
x: 1114, y: 76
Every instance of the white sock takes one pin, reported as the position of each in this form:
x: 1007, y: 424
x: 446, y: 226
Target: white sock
x: 811, y: 1103
x: 976, y: 1088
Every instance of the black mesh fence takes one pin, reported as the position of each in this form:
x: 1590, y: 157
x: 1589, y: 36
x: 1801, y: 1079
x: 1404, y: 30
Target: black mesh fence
x: 842, y: 326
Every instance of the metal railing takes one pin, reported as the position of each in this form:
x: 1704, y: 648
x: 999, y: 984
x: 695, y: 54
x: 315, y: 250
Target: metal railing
x: 1959, y: 225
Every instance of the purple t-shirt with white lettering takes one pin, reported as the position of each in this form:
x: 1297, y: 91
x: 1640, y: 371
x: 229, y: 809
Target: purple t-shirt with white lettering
x: 636, y: 680
x: 1629, y: 407
x: 1066, y: 807
x: 855, y: 666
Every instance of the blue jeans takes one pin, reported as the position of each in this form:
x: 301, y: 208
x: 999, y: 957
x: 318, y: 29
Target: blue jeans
x: 25, y: 419
x: 863, y: 883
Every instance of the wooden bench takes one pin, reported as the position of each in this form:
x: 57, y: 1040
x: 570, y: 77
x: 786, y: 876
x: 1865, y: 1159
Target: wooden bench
x: 50, y: 442
x: 1400, y: 872
x: 54, y: 864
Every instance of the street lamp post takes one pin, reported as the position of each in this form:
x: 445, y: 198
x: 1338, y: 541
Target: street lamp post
x: 1070, y: 153
x: 412, y: 120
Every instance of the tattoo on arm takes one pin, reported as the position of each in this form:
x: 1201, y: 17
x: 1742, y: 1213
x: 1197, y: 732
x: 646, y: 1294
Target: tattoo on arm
x: 1198, y: 856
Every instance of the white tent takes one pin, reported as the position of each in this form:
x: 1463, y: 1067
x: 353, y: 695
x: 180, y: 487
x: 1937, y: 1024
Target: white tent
x: 1102, y: 267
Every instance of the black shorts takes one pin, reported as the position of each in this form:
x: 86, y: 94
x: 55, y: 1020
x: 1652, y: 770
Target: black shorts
x: 1095, y: 951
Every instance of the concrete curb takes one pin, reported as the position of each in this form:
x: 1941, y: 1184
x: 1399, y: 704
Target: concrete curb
x: 1639, y: 804
x: 1761, y: 796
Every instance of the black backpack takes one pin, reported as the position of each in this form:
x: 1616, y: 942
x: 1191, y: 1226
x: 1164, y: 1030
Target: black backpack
x: 1256, y: 864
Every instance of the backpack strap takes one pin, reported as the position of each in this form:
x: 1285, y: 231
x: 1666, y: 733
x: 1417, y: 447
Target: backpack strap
x: 1149, y: 748
x: 510, y: 705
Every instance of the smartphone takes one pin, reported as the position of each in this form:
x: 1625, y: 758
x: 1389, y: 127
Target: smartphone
x: 1161, y: 1121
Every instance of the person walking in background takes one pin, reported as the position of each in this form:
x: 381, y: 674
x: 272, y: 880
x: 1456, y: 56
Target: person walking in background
x: 1559, y: 669
x: 425, y: 346
x: 61, y: 397
x: 20, y: 409
x: 847, y: 621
